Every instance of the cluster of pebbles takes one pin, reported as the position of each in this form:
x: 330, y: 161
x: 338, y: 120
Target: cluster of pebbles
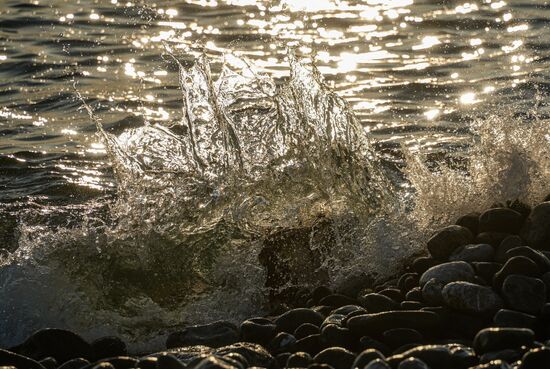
x: 480, y: 299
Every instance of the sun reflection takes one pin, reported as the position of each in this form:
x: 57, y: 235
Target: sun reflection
x: 468, y: 98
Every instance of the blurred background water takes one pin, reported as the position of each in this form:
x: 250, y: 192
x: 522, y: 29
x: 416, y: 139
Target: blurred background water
x: 417, y: 74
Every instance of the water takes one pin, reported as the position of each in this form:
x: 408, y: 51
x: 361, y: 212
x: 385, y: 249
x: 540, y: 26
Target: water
x: 160, y: 220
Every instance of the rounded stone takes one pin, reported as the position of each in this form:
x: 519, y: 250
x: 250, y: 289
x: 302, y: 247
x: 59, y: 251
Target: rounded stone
x: 446, y: 240
x: 365, y: 357
x: 500, y: 220
x: 514, y: 319
x: 471, y: 298
x: 516, y: 265
x: 536, y: 358
x: 305, y: 330
x: 524, y: 294
x: 292, y: 319
x: 376, y: 303
x: 496, y: 339
x: 216, y: 334
x: 299, y: 360
x: 536, y: 230
x: 412, y: 363
x: 258, y: 330
x: 109, y: 346
x: 476, y: 252
x: 508, y: 243
x: 448, y: 272
x: 337, y: 357
x: 377, y: 364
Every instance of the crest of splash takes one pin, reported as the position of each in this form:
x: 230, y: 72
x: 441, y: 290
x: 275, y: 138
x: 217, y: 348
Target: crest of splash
x: 246, y: 151
x: 509, y: 160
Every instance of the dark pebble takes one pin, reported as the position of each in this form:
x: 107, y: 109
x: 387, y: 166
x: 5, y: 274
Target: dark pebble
x: 258, y: 330
x: 337, y: 357
x: 470, y: 221
x: 514, y: 319
x: 495, y: 339
x: 283, y: 342
x: 415, y: 294
x: 486, y: 271
x: 516, y: 265
x: 500, y: 220
x: 507, y: 355
x: 299, y: 360
x: 254, y: 354
x: 368, y: 343
x: 310, y: 344
x: 369, y: 323
x: 507, y: 244
x: 412, y: 363
x: 151, y: 363
x: 213, y: 362
x: 471, y: 298
x: 393, y: 293
x: 448, y: 272
x: 60, y: 344
x: 365, y: 357
x: 320, y: 292
x: 537, y: 227
x: 446, y: 240
x: 497, y: 364
x: 75, y: 364
x: 423, y: 263
x: 121, y: 362
x: 411, y: 305
x: 407, y: 281
x: 376, y: 303
x: 292, y: 319
x: 49, y: 363
x: 378, y: 364
x: 436, y: 356
x: 103, y: 365
x: 538, y: 257
x: 282, y: 359
x: 475, y: 252
x: 524, y: 294
x: 333, y: 335
x: 305, y: 330
x: 217, y: 334
x: 398, y: 337
x: 536, y: 358
x: 109, y: 346
x: 8, y: 358
x: 492, y: 238
x: 320, y: 366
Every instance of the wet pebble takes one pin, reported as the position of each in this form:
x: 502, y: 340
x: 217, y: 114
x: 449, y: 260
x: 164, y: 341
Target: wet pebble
x: 471, y: 298
x: 524, y: 293
x: 495, y: 339
x: 216, y: 334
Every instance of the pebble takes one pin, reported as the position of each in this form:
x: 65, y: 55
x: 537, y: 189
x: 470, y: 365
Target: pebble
x: 337, y: 357
x: 76, y: 364
x: 365, y: 357
x: 448, y: 272
x: 8, y: 358
x: 486, y: 270
x: 258, y: 330
x: 216, y: 334
x: 508, y: 243
x: 380, y: 322
x: 376, y: 303
x: 538, y: 257
x: 500, y: 220
x: 516, y: 265
x: 495, y: 339
x: 524, y: 294
x: 514, y: 319
x: 537, y: 227
x: 412, y: 363
x: 378, y: 364
x: 470, y: 221
x: 398, y: 337
x: 109, y: 346
x: 471, y: 298
x: 476, y: 252
x: 299, y: 360
x: 282, y: 342
x: 305, y: 330
x: 535, y: 358
x: 446, y: 240
x: 492, y: 238
x: 292, y: 319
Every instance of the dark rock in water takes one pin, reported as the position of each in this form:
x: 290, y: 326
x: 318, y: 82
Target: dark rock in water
x: 333, y: 335
x: 187, y: 354
x: 376, y: 303
x: 258, y: 330
x: 49, y: 363
x: 151, y: 363
x: 514, y: 319
x: 536, y: 230
x: 283, y: 342
x: 120, y: 362
x: 536, y: 358
x: 254, y: 354
x: 299, y: 360
x: 103, y: 366
x: 109, y: 346
x: 470, y: 221
x: 337, y: 357
x: 500, y: 220
x: 355, y: 283
x: 462, y: 356
x: 167, y: 362
x: 310, y: 344
x: 365, y: 357
x: 446, y: 240
x: 507, y: 244
x: 516, y: 265
x: 412, y: 363
x: 495, y: 339
x: 455, y: 324
x: 337, y: 300
x: 471, y: 298
x: 8, y: 358
x: 237, y: 359
x: 292, y: 319
x: 538, y: 257
x: 377, y: 364
x: 524, y: 294
x: 60, y: 344
x: 283, y: 254
x: 305, y: 330
x: 492, y: 238
x: 320, y: 366
x: 448, y: 272
x: 497, y: 364
x: 348, y: 309
x: 486, y: 271
x: 77, y: 364
x: 476, y: 252
x: 380, y: 322
x: 215, y: 334
x: 423, y: 263
x: 435, y: 356
x: 507, y: 355
x: 402, y: 336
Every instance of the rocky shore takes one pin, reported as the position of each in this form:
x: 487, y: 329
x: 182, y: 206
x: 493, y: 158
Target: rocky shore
x: 480, y: 298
